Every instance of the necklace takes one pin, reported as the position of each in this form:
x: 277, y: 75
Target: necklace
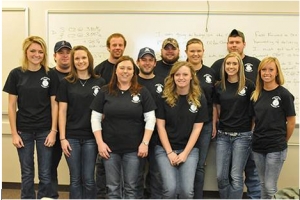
x: 83, y: 84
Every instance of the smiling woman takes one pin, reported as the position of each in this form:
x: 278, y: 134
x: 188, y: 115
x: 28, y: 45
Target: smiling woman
x: 32, y: 88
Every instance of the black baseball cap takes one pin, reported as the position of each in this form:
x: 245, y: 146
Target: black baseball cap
x: 235, y: 33
x: 62, y: 44
x: 146, y: 50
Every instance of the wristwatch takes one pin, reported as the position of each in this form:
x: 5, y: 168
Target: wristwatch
x: 145, y: 143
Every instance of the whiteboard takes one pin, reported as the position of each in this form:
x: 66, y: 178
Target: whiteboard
x: 266, y: 34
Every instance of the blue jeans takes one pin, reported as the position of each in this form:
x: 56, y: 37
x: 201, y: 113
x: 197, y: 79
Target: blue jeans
x: 177, y: 179
x: 100, y: 177
x: 153, y: 177
x: 82, y: 167
x: 130, y: 164
x: 26, y: 157
x: 232, y: 153
x: 251, y: 179
x: 269, y: 166
x: 203, y: 144
x: 56, y: 157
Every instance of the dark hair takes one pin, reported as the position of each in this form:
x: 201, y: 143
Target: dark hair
x: 237, y: 33
x: 115, y: 35
x: 113, y: 84
x: 73, y: 76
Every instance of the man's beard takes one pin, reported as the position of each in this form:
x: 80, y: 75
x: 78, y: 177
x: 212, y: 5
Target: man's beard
x: 170, y: 62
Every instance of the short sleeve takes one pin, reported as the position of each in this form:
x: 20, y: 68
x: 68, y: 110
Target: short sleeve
x: 54, y: 83
x: 216, y: 97
x: 288, y: 104
x: 98, y: 102
x: 11, y: 82
x: 202, y: 115
x: 62, y: 92
x: 147, y: 101
x: 160, y: 111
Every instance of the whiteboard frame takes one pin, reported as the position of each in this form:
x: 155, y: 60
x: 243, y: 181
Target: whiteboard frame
x: 26, y: 13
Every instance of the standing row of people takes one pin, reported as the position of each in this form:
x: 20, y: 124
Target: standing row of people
x: 117, y: 120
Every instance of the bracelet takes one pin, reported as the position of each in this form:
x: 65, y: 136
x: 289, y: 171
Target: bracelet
x: 54, y: 130
x: 170, y: 153
x: 62, y: 139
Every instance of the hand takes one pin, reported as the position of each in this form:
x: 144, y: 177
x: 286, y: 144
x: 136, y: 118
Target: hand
x: 143, y: 150
x: 181, y: 158
x: 50, y: 139
x: 172, y: 157
x: 66, y: 147
x: 17, y: 141
x: 214, y: 132
x: 104, y: 150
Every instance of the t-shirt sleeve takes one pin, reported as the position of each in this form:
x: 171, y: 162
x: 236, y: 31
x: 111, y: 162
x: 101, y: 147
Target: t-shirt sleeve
x: 160, y: 111
x: 216, y: 97
x: 217, y: 67
x: 98, y: 102
x: 11, y: 83
x: 148, y: 101
x: 202, y: 115
x: 288, y: 104
x: 62, y: 92
x: 54, y: 83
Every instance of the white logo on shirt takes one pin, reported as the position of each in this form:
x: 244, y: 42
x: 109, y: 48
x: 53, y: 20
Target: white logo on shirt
x: 193, y: 108
x: 136, y: 98
x: 248, y: 67
x: 45, y: 82
x: 208, y: 78
x: 275, y: 102
x: 243, y: 91
x: 96, y: 90
x: 159, y: 88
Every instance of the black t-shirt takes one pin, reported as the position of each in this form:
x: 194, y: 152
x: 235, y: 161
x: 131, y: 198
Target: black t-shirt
x: 34, y: 89
x: 250, y: 66
x: 207, y: 80
x: 155, y: 86
x: 105, y: 70
x: 180, y: 119
x: 79, y: 99
x: 123, y: 125
x: 60, y: 75
x: 271, y: 110
x: 235, y: 111
x: 162, y: 69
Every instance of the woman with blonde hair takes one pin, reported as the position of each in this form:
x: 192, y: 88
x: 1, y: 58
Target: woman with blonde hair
x: 234, y: 132
x: 274, y: 112
x: 75, y: 95
x: 181, y: 112
x: 32, y: 89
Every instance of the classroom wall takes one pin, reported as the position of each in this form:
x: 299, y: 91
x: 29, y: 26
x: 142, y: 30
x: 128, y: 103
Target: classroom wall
x: 37, y: 26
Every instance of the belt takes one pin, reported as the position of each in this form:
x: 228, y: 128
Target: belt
x: 233, y: 134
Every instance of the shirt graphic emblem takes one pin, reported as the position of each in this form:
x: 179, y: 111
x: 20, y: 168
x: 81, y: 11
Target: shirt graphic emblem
x: 96, y: 90
x: 275, y: 102
x: 159, y: 88
x: 248, y: 67
x: 136, y: 98
x: 208, y: 78
x: 243, y: 91
x: 193, y: 108
x: 45, y: 82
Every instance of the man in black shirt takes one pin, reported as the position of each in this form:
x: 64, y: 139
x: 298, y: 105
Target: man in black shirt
x: 236, y: 43
x: 169, y: 55
x: 146, y: 62
x: 62, y: 57
x: 116, y: 44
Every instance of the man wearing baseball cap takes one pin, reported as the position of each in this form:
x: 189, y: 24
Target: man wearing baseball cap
x: 62, y: 57
x: 169, y: 55
x: 146, y: 62
x: 236, y: 43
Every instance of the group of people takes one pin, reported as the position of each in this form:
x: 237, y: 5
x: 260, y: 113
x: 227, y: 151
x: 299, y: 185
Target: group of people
x: 123, y: 115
